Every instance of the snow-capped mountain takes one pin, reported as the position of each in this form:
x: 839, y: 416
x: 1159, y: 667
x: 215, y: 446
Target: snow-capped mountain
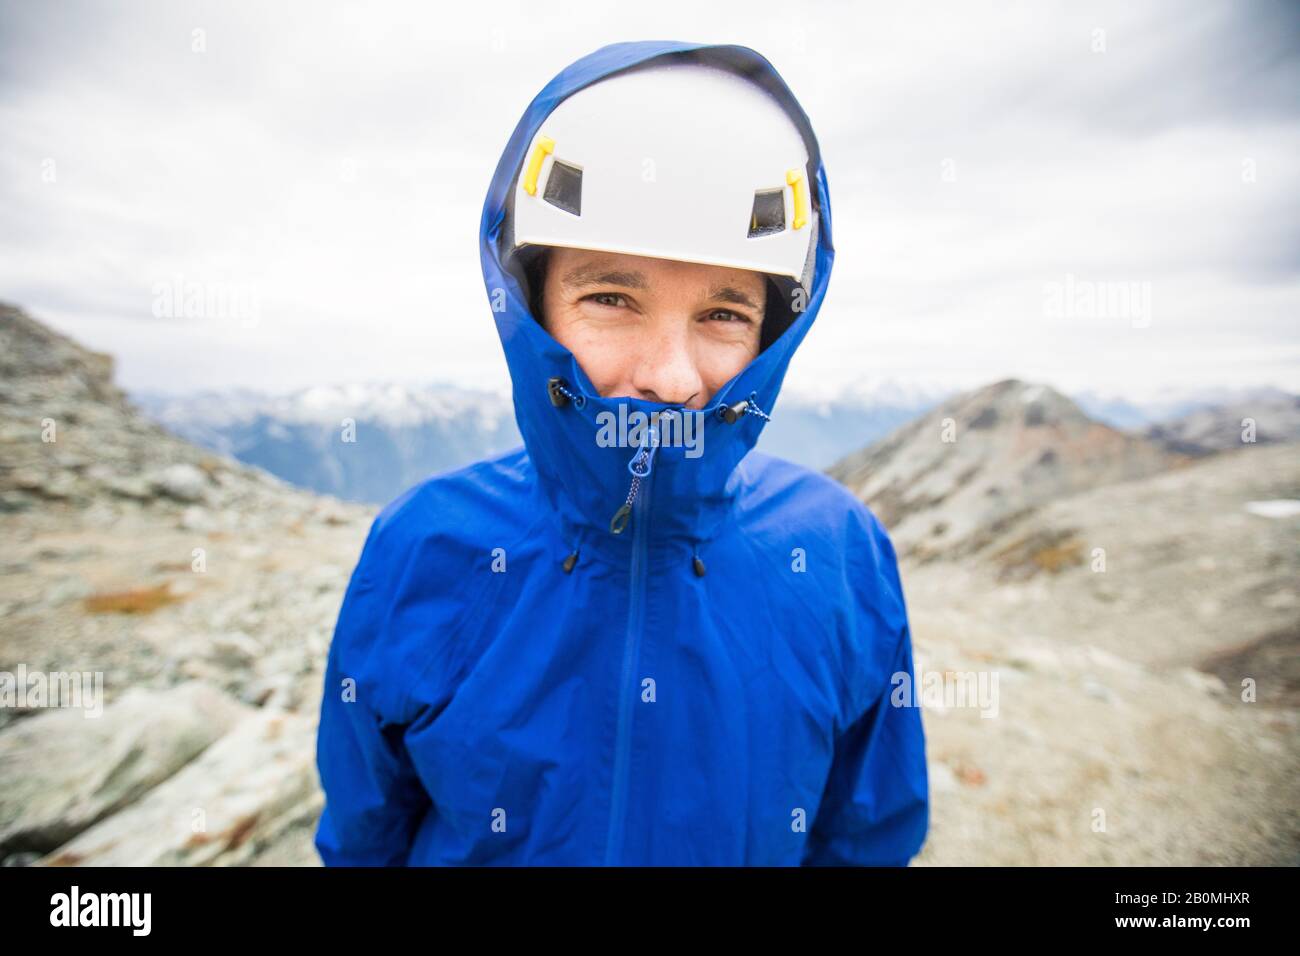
x: 361, y: 442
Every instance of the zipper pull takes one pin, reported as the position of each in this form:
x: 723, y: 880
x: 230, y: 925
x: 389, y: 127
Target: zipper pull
x: 640, y: 465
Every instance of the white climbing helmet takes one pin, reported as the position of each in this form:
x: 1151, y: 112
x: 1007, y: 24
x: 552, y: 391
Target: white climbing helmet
x: 677, y: 161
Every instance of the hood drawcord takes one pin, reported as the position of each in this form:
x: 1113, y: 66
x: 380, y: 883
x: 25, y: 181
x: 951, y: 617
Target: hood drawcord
x: 561, y: 394
x: 734, y: 413
x: 572, y: 558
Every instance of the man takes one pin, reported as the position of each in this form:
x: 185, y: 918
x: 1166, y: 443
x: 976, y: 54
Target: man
x: 634, y: 640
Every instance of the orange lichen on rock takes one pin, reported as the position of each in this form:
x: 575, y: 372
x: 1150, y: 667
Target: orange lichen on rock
x: 135, y: 601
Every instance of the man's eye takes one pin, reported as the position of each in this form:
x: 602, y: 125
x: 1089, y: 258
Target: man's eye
x: 600, y: 298
x: 726, y: 315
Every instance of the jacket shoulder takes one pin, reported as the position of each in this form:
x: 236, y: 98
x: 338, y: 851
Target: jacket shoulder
x: 424, y: 509
x: 848, y: 562
x: 790, y: 503
x: 409, y: 591
x: 812, y: 500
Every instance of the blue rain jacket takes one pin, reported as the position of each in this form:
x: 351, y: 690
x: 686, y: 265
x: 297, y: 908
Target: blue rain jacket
x: 510, y: 682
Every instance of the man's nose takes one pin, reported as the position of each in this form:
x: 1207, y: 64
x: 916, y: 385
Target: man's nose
x: 666, y: 370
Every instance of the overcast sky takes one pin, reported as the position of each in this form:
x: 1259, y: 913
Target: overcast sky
x: 990, y: 166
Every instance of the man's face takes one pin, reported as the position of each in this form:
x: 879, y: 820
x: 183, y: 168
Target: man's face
x: 655, y: 329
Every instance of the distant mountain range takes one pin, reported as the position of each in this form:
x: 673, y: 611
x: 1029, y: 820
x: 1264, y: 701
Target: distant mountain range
x: 365, y: 442
x: 1266, y: 418
x: 1173, y: 405
x: 408, y: 433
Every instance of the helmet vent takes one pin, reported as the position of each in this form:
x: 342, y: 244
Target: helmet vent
x: 564, y: 187
x: 768, y: 214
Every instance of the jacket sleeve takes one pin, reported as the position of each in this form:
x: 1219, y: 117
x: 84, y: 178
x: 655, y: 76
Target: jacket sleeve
x: 875, y: 809
x: 374, y: 800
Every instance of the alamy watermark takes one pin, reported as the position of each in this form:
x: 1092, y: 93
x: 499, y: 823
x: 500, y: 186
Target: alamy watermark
x: 180, y: 298
x: 75, y: 689
x: 946, y: 690
x: 673, y: 428
x: 1076, y: 298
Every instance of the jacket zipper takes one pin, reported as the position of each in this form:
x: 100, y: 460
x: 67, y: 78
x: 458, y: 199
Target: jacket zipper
x: 631, y: 648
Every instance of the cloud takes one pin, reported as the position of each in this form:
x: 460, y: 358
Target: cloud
x: 333, y: 159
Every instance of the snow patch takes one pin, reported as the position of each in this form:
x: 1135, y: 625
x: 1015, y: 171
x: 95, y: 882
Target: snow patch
x: 1275, y: 508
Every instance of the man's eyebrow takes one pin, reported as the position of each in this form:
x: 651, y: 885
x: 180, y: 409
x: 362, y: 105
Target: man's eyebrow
x: 587, y: 275
x: 727, y: 293
x: 594, y: 275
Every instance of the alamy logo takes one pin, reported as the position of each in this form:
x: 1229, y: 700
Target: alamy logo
x: 674, y: 428
x: 74, y: 689
x: 945, y: 689
x: 102, y: 909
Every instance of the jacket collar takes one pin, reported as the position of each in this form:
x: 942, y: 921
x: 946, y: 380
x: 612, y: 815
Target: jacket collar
x: 583, y: 479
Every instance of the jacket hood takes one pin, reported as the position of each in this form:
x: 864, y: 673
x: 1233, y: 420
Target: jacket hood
x: 585, y: 482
